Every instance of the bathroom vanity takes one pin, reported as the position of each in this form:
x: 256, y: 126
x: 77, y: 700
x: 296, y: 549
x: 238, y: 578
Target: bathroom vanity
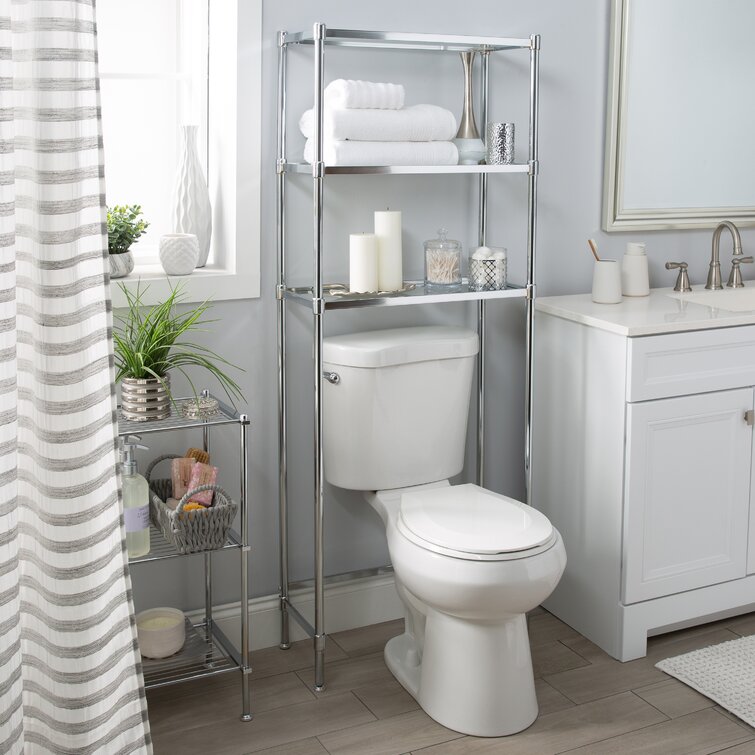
x: 643, y: 459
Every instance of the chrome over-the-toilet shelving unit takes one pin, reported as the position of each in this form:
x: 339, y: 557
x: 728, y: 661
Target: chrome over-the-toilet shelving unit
x: 320, y: 300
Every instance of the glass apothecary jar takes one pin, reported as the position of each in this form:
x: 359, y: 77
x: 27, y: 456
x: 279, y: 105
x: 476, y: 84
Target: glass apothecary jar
x: 442, y: 263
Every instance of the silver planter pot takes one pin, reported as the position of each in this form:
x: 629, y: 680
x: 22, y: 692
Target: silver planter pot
x: 145, y: 400
x: 121, y: 264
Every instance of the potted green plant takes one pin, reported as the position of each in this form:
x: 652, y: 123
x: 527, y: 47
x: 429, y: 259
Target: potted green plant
x: 124, y: 227
x: 150, y: 342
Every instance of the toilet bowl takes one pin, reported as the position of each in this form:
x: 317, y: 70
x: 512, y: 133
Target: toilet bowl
x: 468, y: 562
x: 465, y: 655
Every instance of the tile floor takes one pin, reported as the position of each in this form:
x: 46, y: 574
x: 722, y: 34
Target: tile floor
x: 589, y: 703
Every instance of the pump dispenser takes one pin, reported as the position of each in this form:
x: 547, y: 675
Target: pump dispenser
x: 135, y: 501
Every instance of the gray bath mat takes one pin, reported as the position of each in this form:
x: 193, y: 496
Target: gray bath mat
x: 724, y: 673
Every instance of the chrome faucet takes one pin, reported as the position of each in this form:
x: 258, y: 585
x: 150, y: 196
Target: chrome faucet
x: 714, y: 272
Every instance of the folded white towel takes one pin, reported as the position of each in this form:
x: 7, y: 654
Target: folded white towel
x: 347, y: 93
x: 385, y: 153
x: 418, y: 123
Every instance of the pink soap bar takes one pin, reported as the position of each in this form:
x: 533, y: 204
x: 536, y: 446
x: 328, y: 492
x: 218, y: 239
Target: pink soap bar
x: 203, y: 474
x: 181, y: 474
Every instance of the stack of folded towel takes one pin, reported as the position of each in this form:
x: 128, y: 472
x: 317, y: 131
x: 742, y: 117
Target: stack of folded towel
x: 366, y: 123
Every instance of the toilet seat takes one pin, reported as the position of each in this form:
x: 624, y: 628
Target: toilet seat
x: 471, y: 523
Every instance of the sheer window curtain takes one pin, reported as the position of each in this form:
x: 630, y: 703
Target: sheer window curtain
x: 70, y: 679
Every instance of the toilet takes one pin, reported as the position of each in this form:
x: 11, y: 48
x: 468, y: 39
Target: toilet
x: 468, y: 562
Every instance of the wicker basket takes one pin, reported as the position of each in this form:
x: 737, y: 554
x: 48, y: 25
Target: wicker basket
x: 190, y: 531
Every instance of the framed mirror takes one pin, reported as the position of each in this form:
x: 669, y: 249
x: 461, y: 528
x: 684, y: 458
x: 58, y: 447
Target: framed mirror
x: 680, y: 126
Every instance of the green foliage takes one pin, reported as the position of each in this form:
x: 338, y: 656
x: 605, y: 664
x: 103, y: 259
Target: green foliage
x: 124, y: 227
x: 149, y: 342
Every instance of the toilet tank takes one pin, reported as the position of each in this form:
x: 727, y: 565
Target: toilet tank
x: 398, y: 414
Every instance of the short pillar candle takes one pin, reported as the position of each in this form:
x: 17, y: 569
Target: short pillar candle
x: 363, y: 263
x: 390, y: 267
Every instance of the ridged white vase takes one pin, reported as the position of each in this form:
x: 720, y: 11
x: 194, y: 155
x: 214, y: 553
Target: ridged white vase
x: 179, y: 253
x: 191, y: 201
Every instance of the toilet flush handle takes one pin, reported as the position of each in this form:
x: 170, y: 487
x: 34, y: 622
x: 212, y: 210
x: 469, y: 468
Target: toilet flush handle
x: 332, y: 377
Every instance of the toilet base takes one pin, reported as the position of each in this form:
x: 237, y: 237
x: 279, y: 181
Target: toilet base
x: 484, y: 688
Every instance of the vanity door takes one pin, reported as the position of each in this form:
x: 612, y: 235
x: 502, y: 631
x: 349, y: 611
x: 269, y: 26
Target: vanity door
x: 687, y: 491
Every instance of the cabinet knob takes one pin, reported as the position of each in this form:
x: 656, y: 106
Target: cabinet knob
x: 750, y: 417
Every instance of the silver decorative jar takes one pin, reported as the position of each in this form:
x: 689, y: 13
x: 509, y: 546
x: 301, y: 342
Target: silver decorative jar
x: 121, y: 264
x: 145, y: 399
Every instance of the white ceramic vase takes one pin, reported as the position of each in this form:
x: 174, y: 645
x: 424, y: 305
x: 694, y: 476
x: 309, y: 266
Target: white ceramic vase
x: 191, y: 200
x: 179, y: 253
x: 121, y: 264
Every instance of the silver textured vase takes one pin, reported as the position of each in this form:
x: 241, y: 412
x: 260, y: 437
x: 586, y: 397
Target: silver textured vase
x: 121, y: 264
x: 191, y: 200
x: 145, y: 399
x: 468, y: 142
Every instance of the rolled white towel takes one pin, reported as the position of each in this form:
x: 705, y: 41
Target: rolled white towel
x: 417, y: 123
x: 348, y: 93
x: 385, y: 153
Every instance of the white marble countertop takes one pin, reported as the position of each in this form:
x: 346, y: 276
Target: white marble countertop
x: 664, y: 311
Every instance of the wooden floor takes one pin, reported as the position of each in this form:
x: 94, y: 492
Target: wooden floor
x: 589, y: 703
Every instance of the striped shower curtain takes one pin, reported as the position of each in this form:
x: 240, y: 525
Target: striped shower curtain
x: 70, y: 680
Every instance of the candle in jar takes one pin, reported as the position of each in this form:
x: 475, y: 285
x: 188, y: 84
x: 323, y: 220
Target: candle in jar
x: 390, y: 267
x: 363, y: 263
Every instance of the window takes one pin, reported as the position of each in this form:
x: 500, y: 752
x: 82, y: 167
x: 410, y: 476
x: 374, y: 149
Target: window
x: 153, y: 79
x: 164, y: 64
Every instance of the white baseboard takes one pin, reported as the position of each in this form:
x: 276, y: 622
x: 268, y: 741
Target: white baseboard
x: 348, y: 605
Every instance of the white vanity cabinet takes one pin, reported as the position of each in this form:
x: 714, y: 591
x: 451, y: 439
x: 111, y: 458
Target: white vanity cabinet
x: 643, y: 459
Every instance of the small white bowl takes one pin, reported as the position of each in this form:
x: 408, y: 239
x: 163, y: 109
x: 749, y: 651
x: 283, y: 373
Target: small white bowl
x: 161, y: 632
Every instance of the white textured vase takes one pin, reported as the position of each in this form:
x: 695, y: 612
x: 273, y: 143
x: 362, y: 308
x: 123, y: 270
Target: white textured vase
x: 191, y: 201
x: 121, y: 264
x: 179, y: 253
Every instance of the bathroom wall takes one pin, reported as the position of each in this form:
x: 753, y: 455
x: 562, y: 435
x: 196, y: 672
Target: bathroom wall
x: 572, y: 113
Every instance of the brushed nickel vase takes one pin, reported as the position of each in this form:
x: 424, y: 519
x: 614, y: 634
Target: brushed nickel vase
x: 145, y: 399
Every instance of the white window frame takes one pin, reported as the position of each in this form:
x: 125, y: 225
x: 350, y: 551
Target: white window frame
x: 235, y: 80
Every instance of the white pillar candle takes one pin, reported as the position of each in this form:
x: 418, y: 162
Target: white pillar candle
x: 388, y: 232
x: 363, y: 263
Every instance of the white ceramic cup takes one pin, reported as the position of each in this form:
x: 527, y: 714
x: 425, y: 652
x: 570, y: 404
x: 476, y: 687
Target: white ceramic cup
x: 606, y: 282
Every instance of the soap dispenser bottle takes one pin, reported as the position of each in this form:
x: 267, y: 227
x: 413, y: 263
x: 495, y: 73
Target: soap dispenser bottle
x: 135, y: 502
x: 635, y: 280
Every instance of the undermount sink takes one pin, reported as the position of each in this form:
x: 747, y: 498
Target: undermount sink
x: 730, y: 299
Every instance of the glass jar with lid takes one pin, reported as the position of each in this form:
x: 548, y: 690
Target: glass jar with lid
x: 442, y: 263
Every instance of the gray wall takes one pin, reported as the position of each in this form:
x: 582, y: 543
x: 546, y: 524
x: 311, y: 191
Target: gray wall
x: 572, y: 115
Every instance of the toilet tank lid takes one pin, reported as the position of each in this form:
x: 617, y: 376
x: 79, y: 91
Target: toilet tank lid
x: 383, y: 348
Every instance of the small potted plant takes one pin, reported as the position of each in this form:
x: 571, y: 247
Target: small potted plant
x: 150, y: 342
x: 124, y: 227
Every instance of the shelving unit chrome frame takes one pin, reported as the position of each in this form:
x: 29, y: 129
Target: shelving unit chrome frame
x: 207, y: 651
x: 320, y: 301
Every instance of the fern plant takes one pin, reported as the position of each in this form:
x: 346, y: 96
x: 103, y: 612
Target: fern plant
x: 149, y: 342
x: 124, y: 227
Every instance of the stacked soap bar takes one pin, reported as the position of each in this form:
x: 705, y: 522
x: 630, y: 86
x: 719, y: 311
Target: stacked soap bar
x: 190, y: 472
x: 366, y: 123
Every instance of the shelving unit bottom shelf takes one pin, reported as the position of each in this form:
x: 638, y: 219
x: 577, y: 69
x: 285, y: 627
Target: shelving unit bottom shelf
x: 200, y: 657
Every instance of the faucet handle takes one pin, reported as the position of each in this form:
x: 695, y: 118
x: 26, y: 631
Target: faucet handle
x: 735, y: 276
x: 682, y: 280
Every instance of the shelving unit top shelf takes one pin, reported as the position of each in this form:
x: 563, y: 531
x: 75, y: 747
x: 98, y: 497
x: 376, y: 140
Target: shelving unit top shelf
x: 418, y: 295
x: 224, y: 416
x: 406, y: 169
x: 403, y: 41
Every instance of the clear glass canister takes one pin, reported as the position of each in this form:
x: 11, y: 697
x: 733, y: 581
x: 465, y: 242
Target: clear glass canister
x: 442, y: 263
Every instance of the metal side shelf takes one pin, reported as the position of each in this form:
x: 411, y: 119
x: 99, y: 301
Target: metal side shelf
x: 336, y: 298
x: 402, y: 41
x: 335, y: 170
x: 207, y: 651
x: 160, y: 548
x: 201, y: 656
